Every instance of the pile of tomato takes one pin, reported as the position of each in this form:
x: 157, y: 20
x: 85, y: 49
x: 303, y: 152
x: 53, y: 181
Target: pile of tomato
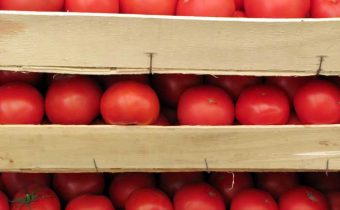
x: 207, y: 8
x: 170, y: 191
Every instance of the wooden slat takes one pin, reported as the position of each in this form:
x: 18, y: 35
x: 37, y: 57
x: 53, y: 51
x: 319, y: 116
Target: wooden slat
x: 113, y: 43
x: 117, y: 149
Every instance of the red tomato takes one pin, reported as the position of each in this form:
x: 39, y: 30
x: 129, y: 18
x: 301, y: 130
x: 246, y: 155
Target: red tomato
x: 161, y: 120
x: 277, y: 183
x: 277, y: 8
x: 148, y: 7
x: 253, y: 199
x: 205, y: 105
x: 318, y: 102
x: 239, y: 4
x: 294, y: 120
x: 35, y: 197
x: 322, y: 181
x: 72, y: 100
x: 172, y: 182
x: 263, y: 105
x: 128, y: 103
x: 171, y: 86
x: 73, y: 185
x: 103, y: 6
x: 20, y: 103
x: 90, y: 202
x: 17, y: 76
x: 334, y: 200
x: 32, y: 5
x: 240, y: 14
x: 16, y: 181
x: 4, y: 205
x: 109, y: 80
x: 148, y: 199
x: 208, y: 8
x: 325, y: 8
x: 198, y: 197
x: 124, y: 184
x: 305, y: 198
x: 234, y: 85
x: 229, y: 184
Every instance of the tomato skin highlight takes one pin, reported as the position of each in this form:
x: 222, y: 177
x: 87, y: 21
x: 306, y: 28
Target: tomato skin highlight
x: 207, y: 8
x: 148, y: 199
x: 32, y: 5
x: 325, y: 8
x: 148, y: 7
x: 95, y: 6
x: 253, y: 199
x: 90, y: 202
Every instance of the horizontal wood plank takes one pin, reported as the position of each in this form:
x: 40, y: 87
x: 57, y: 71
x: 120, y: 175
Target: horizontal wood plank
x: 115, y: 44
x: 121, y: 148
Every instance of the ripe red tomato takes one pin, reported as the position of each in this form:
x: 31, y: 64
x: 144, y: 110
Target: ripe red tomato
x: 277, y: 8
x: 229, y: 184
x: 73, y: 100
x: 32, y: 5
x: 87, y: 202
x: 171, y: 86
x: 124, y: 184
x: 128, y: 103
x: 148, y: 199
x: 322, y: 181
x: 4, y: 205
x: 148, y: 7
x: 263, y: 105
x: 277, y: 183
x: 234, y: 85
x: 293, y: 120
x: 102, y: 6
x: 198, y: 197
x: 20, y: 103
x: 70, y: 186
x: 208, y: 8
x: 253, y: 199
x: 161, y: 120
x: 305, y: 198
x: 109, y: 80
x: 16, y: 181
x: 318, y: 102
x: 17, y: 76
x: 239, y: 4
x: 205, y: 105
x: 240, y: 14
x: 325, y: 8
x: 172, y: 182
x: 35, y: 197
x: 334, y: 200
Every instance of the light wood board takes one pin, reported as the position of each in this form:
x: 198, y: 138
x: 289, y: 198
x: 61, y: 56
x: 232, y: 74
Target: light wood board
x: 116, y: 44
x: 154, y: 149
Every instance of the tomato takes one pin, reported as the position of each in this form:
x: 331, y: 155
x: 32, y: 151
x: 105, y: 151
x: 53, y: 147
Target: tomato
x: 240, y: 14
x: 4, y: 205
x: 124, y: 184
x: 148, y: 7
x: 128, y: 103
x: 20, y: 103
x: 18, y: 76
x: 109, y: 80
x: 334, y: 200
x: 263, y: 105
x: 161, y: 120
x: 277, y: 8
x: 239, y: 4
x: 205, y: 105
x: 277, y: 183
x: 325, y: 8
x: 148, y: 199
x: 103, y: 6
x: 32, y: 5
x: 229, y: 184
x: 322, y: 181
x: 234, y: 85
x: 73, y: 185
x: 294, y: 120
x: 15, y: 181
x: 35, y: 197
x: 90, y: 202
x: 208, y: 8
x: 305, y: 198
x: 73, y: 100
x: 198, y: 197
x: 318, y: 102
x: 253, y: 199
x: 172, y: 182
x: 170, y: 114
x: 170, y: 87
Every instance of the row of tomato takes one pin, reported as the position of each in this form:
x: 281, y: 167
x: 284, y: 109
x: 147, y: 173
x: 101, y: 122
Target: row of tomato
x: 168, y: 191
x: 186, y: 99
x: 210, y: 8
